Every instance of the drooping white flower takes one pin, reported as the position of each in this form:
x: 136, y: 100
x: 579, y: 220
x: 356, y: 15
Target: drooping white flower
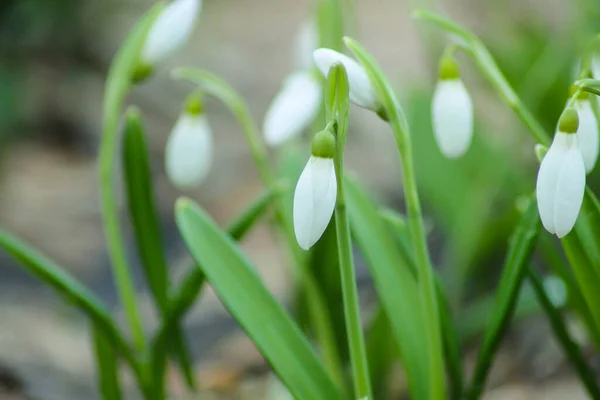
x: 587, y: 134
x: 170, y: 31
x: 307, y: 40
x: 362, y: 92
x: 561, y: 179
x: 316, y: 192
x: 293, y: 109
x: 452, y: 112
x: 189, y: 151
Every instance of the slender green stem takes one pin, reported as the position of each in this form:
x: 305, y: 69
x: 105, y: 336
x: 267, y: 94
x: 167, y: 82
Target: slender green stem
x: 425, y: 269
x: 572, y: 350
x: 110, y: 213
x: 356, y: 341
x: 215, y: 86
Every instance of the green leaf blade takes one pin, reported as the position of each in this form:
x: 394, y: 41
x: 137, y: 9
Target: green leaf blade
x: 107, y: 365
x: 242, y: 291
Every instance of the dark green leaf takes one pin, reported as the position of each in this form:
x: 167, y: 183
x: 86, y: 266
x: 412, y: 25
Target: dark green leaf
x: 518, y: 258
x: 107, y: 365
x: 586, y: 374
x: 142, y: 211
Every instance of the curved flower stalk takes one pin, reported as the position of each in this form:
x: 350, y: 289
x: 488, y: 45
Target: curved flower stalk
x: 452, y: 111
x: 188, y: 155
x: 587, y: 134
x: 293, y: 109
x: 169, y: 33
x: 316, y: 192
x: 561, y: 178
x: 362, y: 92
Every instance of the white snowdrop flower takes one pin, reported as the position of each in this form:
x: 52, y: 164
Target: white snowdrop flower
x: 293, y: 109
x: 170, y: 31
x: 307, y: 40
x: 587, y: 134
x: 189, y: 151
x: 316, y: 192
x: 452, y: 111
x: 362, y: 92
x: 561, y: 178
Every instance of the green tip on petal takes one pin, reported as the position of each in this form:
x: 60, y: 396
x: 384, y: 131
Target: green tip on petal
x: 449, y: 68
x: 194, y: 104
x: 141, y: 73
x: 569, y: 121
x: 323, y: 144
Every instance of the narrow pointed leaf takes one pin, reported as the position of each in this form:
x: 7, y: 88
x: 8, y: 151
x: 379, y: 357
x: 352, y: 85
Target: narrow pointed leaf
x: 146, y: 227
x: 586, y: 374
x: 241, y: 290
x: 107, y: 365
x: 519, y: 254
x: 64, y: 284
x: 395, y: 284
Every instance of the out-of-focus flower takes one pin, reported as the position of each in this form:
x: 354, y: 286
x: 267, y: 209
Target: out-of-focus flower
x: 452, y: 111
x: 561, y: 178
x: 316, y: 192
x: 293, y: 109
x: 170, y: 31
x: 307, y: 40
x: 189, y: 151
x: 362, y: 92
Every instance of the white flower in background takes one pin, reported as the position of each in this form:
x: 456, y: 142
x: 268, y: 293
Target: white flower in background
x: 362, y: 92
x: 293, y: 109
x: 189, y: 151
x: 452, y: 111
x: 170, y: 31
x: 316, y: 192
x: 307, y: 40
x: 561, y: 178
x: 556, y: 290
x: 587, y: 134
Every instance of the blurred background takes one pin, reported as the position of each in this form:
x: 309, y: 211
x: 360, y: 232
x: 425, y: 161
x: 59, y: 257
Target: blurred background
x: 54, y: 55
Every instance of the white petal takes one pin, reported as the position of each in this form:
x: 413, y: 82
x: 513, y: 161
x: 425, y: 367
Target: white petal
x: 314, y: 200
x: 560, y: 185
x: 587, y: 134
x: 172, y: 29
x: 188, y: 155
x: 452, y: 117
x: 293, y: 109
x: 362, y: 92
x: 306, y: 42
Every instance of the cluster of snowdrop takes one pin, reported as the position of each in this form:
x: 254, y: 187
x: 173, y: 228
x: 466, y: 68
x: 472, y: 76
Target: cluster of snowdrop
x: 561, y: 178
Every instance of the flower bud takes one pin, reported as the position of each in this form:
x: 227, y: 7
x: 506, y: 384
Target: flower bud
x: 452, y: 111
x: 362, y: 92
x: 293, y: 109
x: 188, y: 155
x: 170, y: 32
x: 316, y: 192
x: 561, y: 178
